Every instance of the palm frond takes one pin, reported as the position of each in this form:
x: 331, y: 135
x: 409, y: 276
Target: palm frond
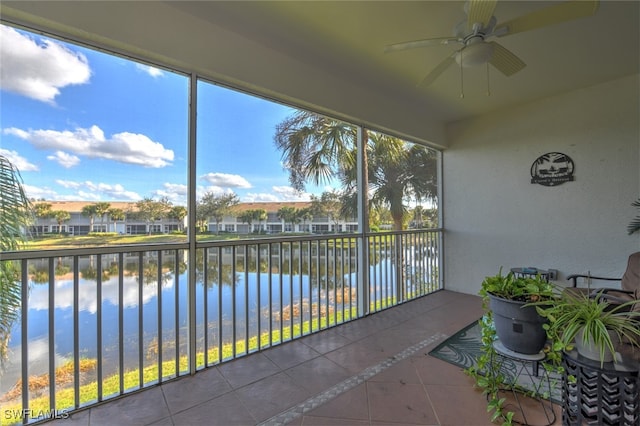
x: 15, y: 218
x: 15, y: 208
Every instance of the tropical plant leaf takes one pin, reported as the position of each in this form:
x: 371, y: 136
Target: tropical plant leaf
x: 15, y: 219
x: 634, y: 226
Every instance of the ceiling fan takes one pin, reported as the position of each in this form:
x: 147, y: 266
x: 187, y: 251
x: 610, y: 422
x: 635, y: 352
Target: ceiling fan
x: 474, y: 32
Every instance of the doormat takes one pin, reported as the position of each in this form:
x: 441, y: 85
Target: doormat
x: 465, y: 347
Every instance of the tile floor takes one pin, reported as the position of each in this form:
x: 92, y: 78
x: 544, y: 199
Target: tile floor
x: 373, y: 371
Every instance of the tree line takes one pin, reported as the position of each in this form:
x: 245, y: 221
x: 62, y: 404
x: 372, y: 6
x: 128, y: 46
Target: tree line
x: 218, y: 206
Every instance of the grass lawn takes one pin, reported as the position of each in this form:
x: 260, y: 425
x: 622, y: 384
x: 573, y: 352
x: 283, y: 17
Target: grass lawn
x: 66, y: 241
x: 52, y: 241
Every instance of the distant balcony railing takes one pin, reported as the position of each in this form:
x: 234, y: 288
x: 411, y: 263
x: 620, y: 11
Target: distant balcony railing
x: 101, y: 322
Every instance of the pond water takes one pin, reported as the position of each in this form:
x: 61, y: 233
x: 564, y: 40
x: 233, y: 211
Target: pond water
x: 145, y: 302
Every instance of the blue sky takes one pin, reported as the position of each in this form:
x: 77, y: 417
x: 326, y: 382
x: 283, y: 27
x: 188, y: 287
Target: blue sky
x: 84, y: 125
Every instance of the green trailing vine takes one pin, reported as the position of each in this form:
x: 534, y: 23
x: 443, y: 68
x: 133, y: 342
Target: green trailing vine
x: 486, y: 372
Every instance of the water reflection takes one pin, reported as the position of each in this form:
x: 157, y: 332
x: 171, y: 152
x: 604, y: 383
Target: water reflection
x: 87, y: 301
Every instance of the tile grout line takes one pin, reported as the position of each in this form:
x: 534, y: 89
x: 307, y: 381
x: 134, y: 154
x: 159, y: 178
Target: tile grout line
x: 347, y: 384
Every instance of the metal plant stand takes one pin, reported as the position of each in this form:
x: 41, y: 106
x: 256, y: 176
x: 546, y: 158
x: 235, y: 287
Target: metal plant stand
x: 595, y: 394
x: 527, y: 367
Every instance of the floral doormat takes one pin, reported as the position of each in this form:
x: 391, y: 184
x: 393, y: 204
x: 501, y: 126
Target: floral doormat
x: 464, y: 347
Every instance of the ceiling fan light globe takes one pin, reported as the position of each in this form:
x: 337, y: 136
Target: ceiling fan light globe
x: 474, y: 54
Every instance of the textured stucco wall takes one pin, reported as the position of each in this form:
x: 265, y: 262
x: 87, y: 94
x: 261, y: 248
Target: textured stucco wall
x: 495, y: 217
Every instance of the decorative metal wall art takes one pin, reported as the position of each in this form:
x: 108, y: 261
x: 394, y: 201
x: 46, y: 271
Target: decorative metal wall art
x: 552, y: 169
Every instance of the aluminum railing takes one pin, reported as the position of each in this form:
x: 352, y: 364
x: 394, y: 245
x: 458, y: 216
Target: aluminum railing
x: 105, y: 321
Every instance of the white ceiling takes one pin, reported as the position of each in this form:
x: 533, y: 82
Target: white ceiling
x: 349, y: 36
x: 300, y: 48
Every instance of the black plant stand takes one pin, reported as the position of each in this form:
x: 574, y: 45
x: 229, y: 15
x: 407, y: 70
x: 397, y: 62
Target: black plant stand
x: 595, y: 394
x: 526, y: 368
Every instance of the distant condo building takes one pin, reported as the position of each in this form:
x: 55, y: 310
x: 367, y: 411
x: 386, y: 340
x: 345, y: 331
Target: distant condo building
x: 79, y: 224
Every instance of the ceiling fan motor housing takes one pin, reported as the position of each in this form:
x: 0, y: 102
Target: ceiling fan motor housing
x: 475, y: 51
x: 474, y: 54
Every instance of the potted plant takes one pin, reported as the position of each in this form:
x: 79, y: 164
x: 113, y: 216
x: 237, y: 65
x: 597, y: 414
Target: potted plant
x: 509, y: 317
x: 590, y: 323
x: 518, y: 325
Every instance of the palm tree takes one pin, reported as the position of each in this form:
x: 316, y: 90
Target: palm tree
x: 247, y: 217
x: 315, y: 147
x: 288, y: 215
x: 101, y: 209
x: 399, y: 171
x: 61, y: 216
x: 304, y: 215
x: 15, y: 218
x: 318, y: 149
x: 90, y: 211
x: 115, y: 215
x: 260, y: 215
x: 42, y: 211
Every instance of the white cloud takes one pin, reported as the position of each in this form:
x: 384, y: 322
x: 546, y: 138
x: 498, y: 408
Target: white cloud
x: 176, y: 193
x: 38, y: 71
x: 287, y: 193
x: 225, y: 180
x: 278, y: 194
x: 21, y: 163
x: 68, y: 183
x: 88, y: 190
x: 45, y: 193
x: 65, y: 160
x: 152, y: 71
x: 201, y: 190
x: 260, y: 198
x: 112, y: 192
x: 125, y: 147
x: 88, y: 196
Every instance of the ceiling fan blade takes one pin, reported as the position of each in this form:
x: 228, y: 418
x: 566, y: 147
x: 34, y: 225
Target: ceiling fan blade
x: 421, y: 43
x: 556, y: 14
x: 435, y: 73
x: 480, y: 11
x: 505, y: 61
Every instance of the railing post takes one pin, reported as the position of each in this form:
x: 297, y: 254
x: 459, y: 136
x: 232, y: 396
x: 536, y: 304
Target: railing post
x: 24, y: 311
x: 363, y: 223
x: 441, y: 277
x: 399, y: 260
x: 191, y: 225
